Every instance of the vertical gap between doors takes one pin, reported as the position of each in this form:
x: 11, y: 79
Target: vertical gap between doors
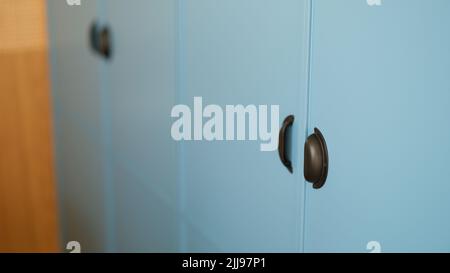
x: 310, y: 22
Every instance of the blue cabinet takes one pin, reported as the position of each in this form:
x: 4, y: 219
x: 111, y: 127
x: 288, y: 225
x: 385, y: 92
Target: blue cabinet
x: 380, y: 93
x: 141, y: 84
x: 235, y: 197
x: 373, y: 78
x: 118, y: 165
x: 78, y: 96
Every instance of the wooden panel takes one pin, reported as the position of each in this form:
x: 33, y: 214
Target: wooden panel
x: 22, y: 24
x: 28, y: 218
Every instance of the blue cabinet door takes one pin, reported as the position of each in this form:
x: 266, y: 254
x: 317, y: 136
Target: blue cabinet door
x: 380, y: 93
x: 77, y: 97
x: 233, y: 196
x: 141, y: 92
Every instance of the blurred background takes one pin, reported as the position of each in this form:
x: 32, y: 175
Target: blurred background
x: 87, y: 160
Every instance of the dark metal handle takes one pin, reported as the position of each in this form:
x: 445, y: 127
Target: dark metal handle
x: 316, y: 160
x: 100, y: 38
x: 288, y: 122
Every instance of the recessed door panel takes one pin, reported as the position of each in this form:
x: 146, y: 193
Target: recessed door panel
x: 141, y: 93
x: 77, y: 98
x: 380, y: 94
x: 235, y: 197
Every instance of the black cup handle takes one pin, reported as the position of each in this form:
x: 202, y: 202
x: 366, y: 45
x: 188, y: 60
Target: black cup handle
x: 288, y: 122
x: 100, y: 40
x: 316, y: 160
